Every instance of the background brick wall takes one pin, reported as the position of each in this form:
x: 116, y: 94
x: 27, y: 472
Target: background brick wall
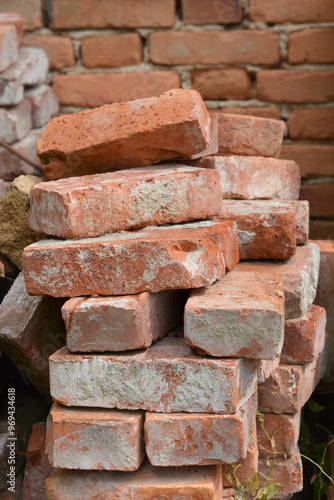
x: 270, y: 58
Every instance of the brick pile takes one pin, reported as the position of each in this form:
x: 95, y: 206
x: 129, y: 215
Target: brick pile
x: 190, y: 284
x: 26, y: 102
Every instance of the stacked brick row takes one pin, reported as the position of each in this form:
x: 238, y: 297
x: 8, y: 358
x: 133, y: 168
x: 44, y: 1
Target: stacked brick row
x: 26, y: 102
x: 172, y: 345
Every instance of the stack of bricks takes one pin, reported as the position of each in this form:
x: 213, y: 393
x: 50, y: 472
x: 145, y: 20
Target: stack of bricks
x: 26, y: 102
x: 172, y: 343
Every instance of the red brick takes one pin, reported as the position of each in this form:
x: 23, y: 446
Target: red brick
x: 312, y: 45
x: 285, y: 431
x: 13, y: 19
x: 180, y: 439
x: 314, y: 159
x: 44, y: 104
x: 122, y: 323
x: 287, y: 472
x: 195, y: 483
x: 11, y: 166
x: 313, y: 123
x: 104, y: 439
x: 304, y: 337
x: 8, y: 46
x: 241, y: 315
x: 168, y: 377
x: 15, y: 122
x: 113, y: 14
x: 170, y: 257
x: 137, y: 198
x: 59, y: 49
x: 251, y: 178
x: 250, y: 136
x: 111, y: 51
x: 246, y: 467
x: 303, y: 11
x: 214, y: 47
x: 273, y: 113
x: 266, y: 229
x: 231, y: 83
x: 213, y: 12
x: 300, y: 278
x: 321, y: 229
x: 320, y: 197
x: 30, y: 11
x: 211, y: 149
x: 297, y: 85
x: 130, y: 135
x: 37, y: 468
x: 265, y: 367
x: 80, y: 90
x: 31, y: 329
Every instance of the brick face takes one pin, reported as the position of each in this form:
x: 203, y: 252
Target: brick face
x: 285, y: 11
x: 59, y: 49
x: 229, y: 83
x: 313, y: 159
x: 214, y: 47
x: 311, y: 124
x: 321, y: 198
x: 31, y: 12
x: 295, y: 86
x: 314, y: 45
x: 111, y: 51
x: 217, y: 11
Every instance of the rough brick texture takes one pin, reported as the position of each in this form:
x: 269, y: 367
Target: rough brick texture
x: 220, y: 11
x: 284, y: 429
x: 130, y: 134
x: 313, y: 45
x: 239, y: 315
x: 265, y: 367
x: 167, y: 377
x: 59, y: 49
x: 304, y: 11
x: 287, y: 472
x: 153, y: 259
x: 311, y: 124
x: 72, y: 208
x: 104, y: 439
x: 121, y: 323
x: 111, y: 51
x: 231, y: 83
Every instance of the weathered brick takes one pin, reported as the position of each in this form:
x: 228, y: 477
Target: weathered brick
x: 320, y: 197
x: 179, y: 439
x: 11, y: 90
x: 111, y: 51
x: 104, y: 439
x: 312, y: 123
x: 44, y: 104
x: 31, y: 329
x: 121, y: 323
x: 297, y: 86
x: 321, y: 229
x: 287, y: 472
x: 231, y: 83
x: 251, y: 177
x: 11, y: 166
x: 214, y: 12
x: 265, y: 367
x: 241, y: 315
x: 168, y: 377
x: 8, y: 46
x: 266, y: 229
x: 130, y: 134
x: 37, y: 468
x: 31, y: 12
x: 273, y: 113
x: 80, y: 90
x: 9, y: 442
x: 31, y: 68
x: 249, y: 136
x: 13, y: 19
x: 304, y: 11
x: 246, y: 467
x: 311, y: 45
x: 59, y: 49
x: 136, y: 198
x: 113, y: 14
x: 15, y: 122
x: 300, y: 278
x: 285, y: 431
x: 314, y: 159
x: 304, y: 337
x: 302, y: 221
x: 214, y: 47
x: 188, y: 483
x: 152, y: 259
x: 211, y: 149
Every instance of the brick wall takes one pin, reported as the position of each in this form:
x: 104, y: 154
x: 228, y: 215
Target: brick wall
x: 264, y: 57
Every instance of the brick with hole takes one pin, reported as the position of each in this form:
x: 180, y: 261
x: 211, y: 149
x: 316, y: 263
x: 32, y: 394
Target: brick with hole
x: 241, y: 315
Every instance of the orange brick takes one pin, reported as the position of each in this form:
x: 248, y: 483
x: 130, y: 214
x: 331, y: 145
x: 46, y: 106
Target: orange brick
x: 59, y: 49
x: 229, y: 83
x: 214, y: 47
x: 298, y: 85
x: 311, y: 124
x: 273, y: 113
x: 14, y: 20
x: 30, y: 11
x: 320, y: 197
x: 287, y: 472
x: 8, y: 46
x: 314, y: 159
x: 284, y: 429
x: 246, y: 467
x: 285, y: 11
x: 80, y: 90
x: 312, y: 45
x: 217, y: 11
x: 112, y: 14
x: 111, y: 51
